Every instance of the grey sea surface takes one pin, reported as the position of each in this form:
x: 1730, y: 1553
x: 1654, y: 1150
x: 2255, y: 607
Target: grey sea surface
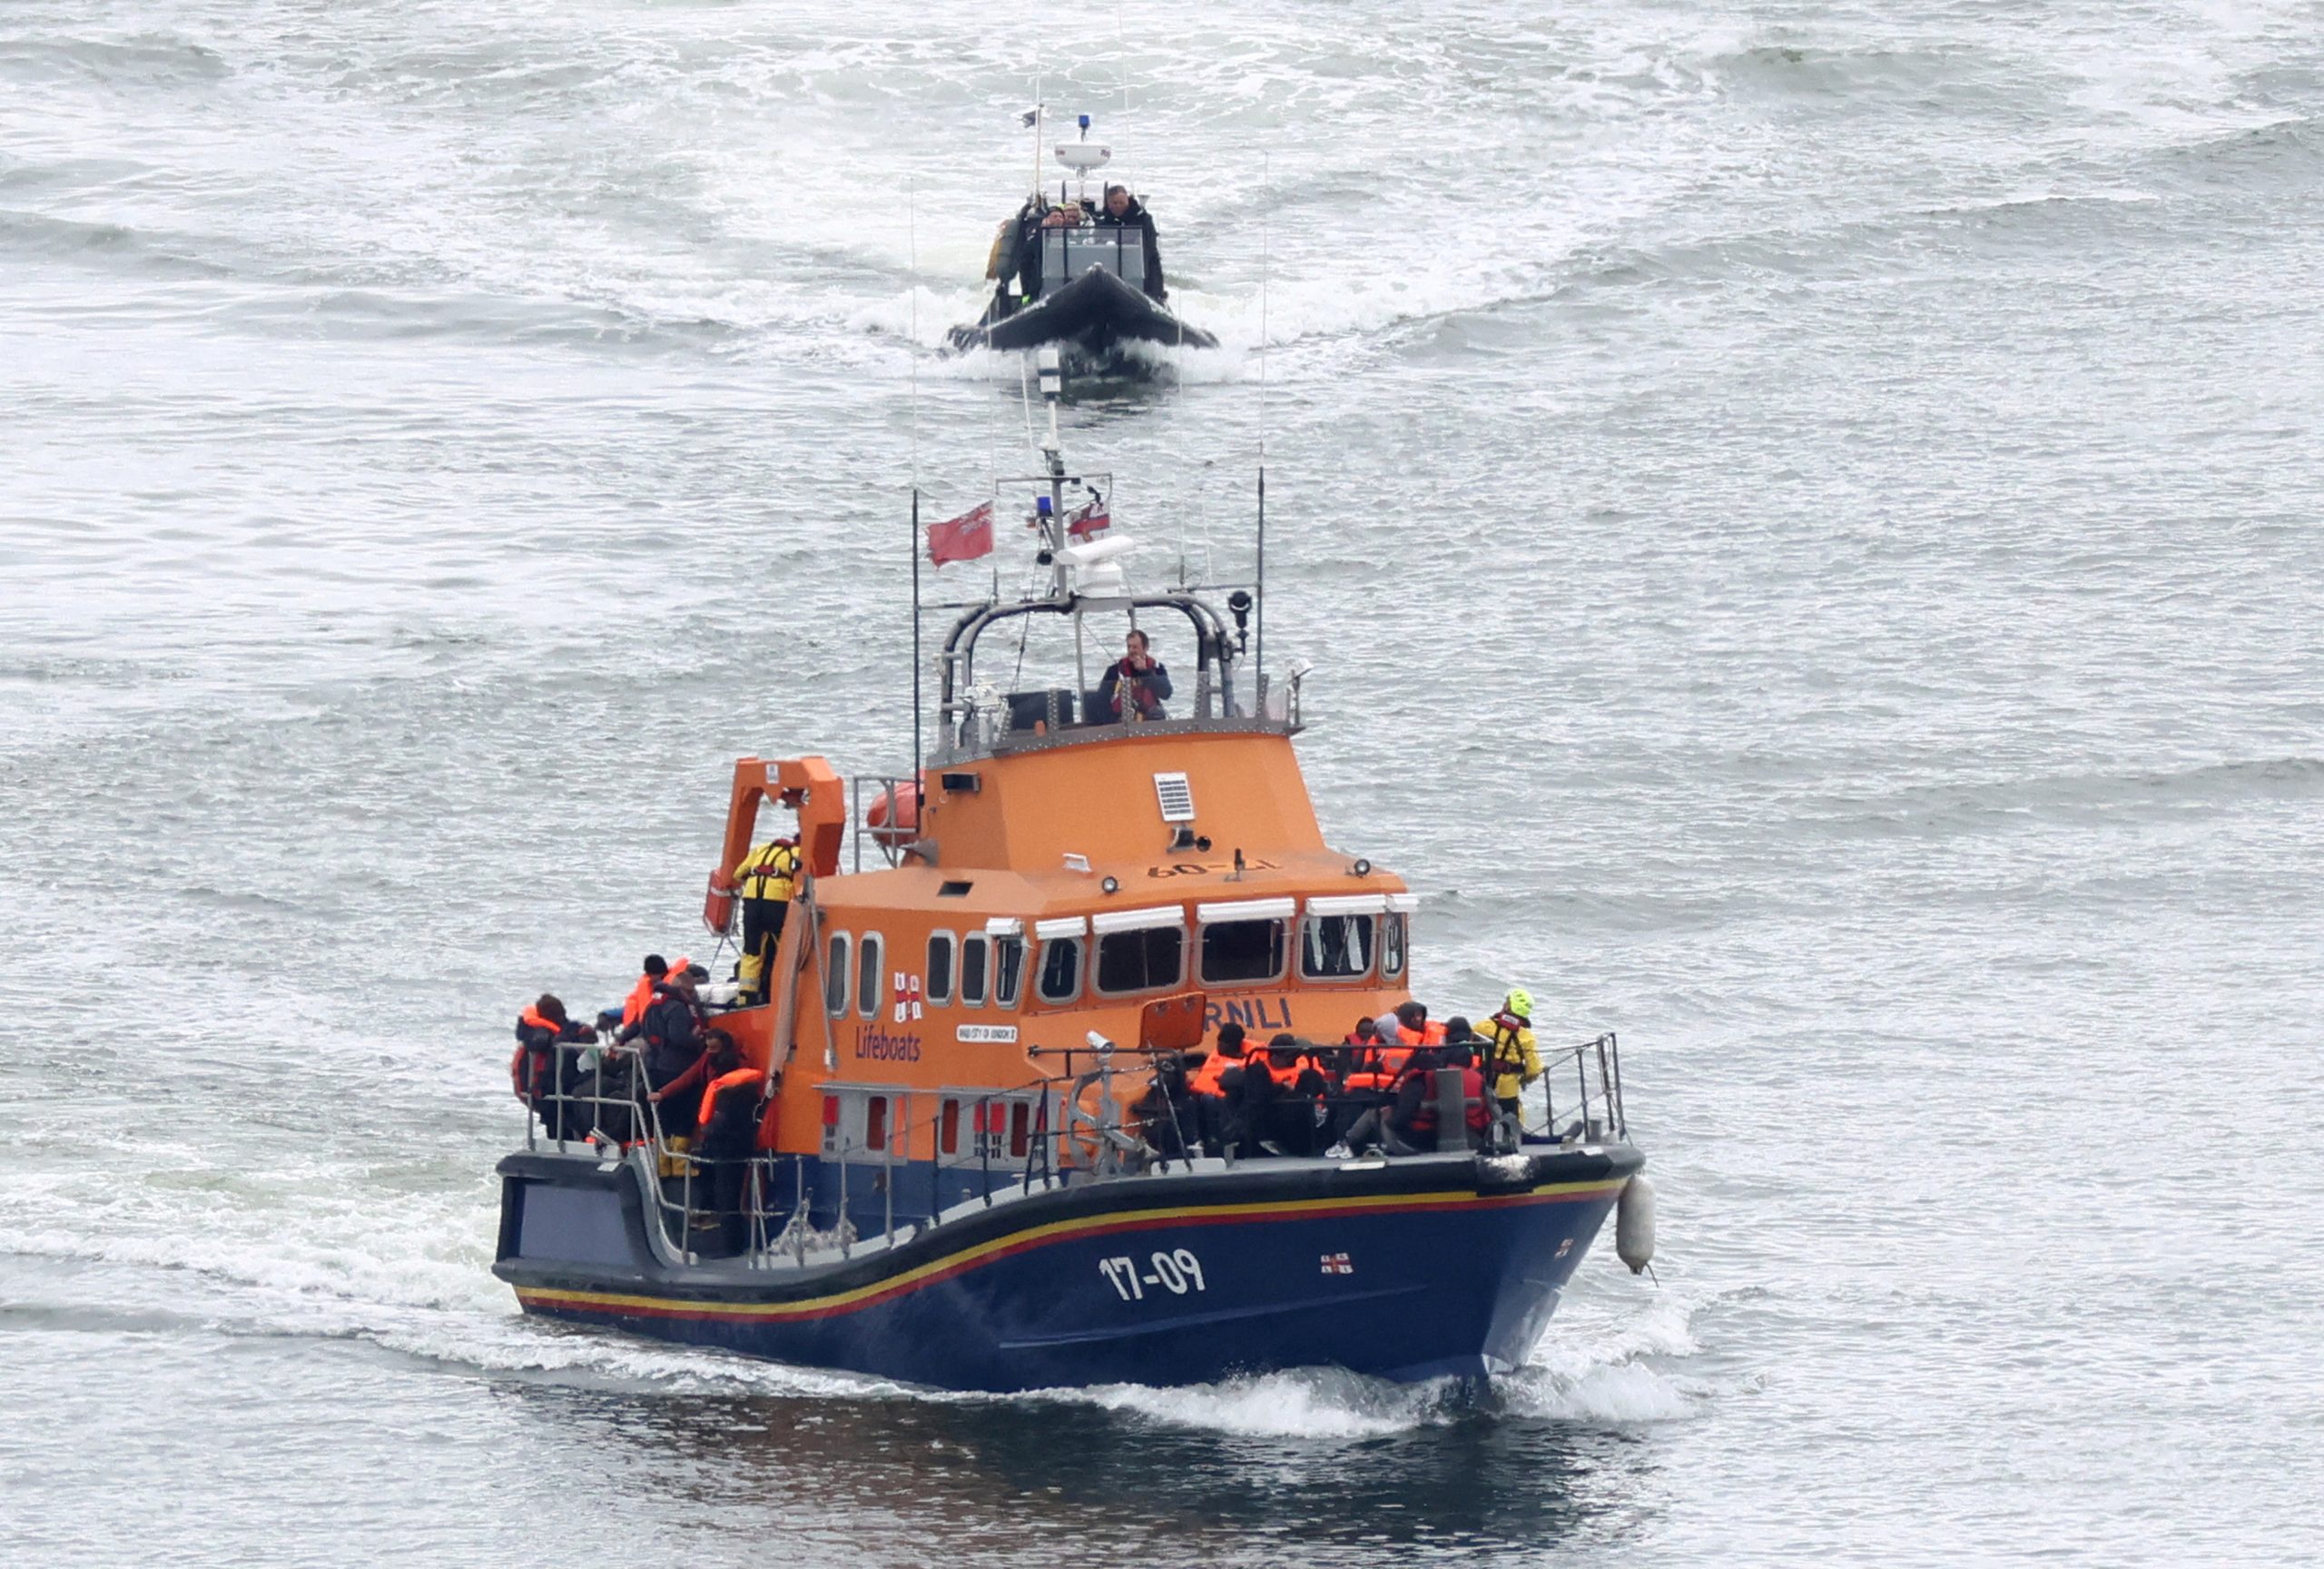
x: 1804, y: 516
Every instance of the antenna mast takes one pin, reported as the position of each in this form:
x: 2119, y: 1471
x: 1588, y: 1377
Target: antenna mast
x: 1051, y: 512
x: 1034, y: 119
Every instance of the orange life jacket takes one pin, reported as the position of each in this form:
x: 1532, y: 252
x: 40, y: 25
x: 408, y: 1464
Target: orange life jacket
x: 1215, y: 1066
x: 744, y: 1075
x: 1473, y: 1092
x: 533, y: 1069
x: 1383, y: 1066
x: 1286, y: 1077
x: 641, y: 996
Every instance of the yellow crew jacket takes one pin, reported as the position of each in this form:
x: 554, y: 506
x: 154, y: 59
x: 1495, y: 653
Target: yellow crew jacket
x: 1512, y: 1060
x: 769, y: 871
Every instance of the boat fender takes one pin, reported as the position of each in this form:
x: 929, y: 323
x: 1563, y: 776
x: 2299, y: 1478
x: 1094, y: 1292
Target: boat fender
x: 1634, y: 1224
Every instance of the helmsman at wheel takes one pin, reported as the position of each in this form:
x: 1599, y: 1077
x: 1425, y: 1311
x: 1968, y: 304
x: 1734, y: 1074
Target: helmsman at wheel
x: 766, y: 880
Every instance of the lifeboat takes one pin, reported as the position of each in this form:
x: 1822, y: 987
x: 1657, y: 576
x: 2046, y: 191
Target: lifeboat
x: 960, y: 1149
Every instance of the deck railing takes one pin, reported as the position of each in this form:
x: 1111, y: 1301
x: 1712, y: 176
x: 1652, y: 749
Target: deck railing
x: 1581, y: 1100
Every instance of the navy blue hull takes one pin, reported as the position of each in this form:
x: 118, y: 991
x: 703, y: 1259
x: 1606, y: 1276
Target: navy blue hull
x: 1408, y: 1271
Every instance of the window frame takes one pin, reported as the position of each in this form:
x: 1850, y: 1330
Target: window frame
x: 1078, y: 941
x: 1015, y: 997
x: 870, y: 950
x: 981, y: 942
x: 1372, y: 950
x: 1008, y: 1123
x: 852, y: 1122
x: 1096, y: 960
x: 1281, y: 955
x: 950, y: 942
x: 839, y: 962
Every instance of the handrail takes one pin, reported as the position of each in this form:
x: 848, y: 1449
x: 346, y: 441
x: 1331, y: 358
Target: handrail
x: 1596, y: 1111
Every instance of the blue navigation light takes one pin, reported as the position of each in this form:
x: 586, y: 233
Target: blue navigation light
x: 1041, y: 505
x: 1085, y: 121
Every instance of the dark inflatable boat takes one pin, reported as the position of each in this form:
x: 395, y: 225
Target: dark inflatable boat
x: 1081, y: 287
x: 1094, y: 312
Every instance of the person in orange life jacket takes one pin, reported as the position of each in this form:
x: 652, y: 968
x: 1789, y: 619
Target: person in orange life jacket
x: 1412, y: 1028
x: 1376, y: 1071
x: 641, y: 995
x: 534, y: 1071
x: 1211, y: 1089
x: 1383, y: 1126
x: 1418, y: 1128
x: 728, y: 1118
x: 1282, y: 1096
x: 680, y: 1096
x: 1370, y: 1077
x: 671, y: 1030
x: 1139, y: 678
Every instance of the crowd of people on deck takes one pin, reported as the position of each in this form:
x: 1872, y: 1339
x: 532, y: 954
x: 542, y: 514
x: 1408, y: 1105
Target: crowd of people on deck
x: 658, y: 1049
x: 1378, y: 1090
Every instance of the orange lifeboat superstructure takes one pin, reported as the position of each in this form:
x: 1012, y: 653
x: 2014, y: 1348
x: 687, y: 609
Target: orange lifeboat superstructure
x: 1049, y: 884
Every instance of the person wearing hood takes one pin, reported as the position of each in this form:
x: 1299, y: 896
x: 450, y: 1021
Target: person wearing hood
x: 1120, y: 209
x: 1512, y: 1060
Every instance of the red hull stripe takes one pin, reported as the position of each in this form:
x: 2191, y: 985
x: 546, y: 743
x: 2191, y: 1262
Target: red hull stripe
x: 622, y: 1306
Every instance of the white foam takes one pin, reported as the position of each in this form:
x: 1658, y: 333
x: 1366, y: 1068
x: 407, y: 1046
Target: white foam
x: 1308, y: 1403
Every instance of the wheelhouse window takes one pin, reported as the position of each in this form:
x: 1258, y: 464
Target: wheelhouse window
x: 869, y: 974
x: 1008, y: 971
x: 1060, y: 979
x: 1242, y: 950
x: 1144, y: 960
x: 1336, y: 947
x: 936, y: 983
x: 1392, y: 944
x: 835, y: 974
x: 1243, y: 939
x: 976, y: 959
x: 1140, y: 950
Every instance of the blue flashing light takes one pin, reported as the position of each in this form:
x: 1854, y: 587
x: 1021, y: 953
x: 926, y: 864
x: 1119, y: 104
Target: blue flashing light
x: 1085, y: 121
x: 1041, y: 505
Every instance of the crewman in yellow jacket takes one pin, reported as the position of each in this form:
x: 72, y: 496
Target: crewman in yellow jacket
x: 766, y: 879
x: 1512, y: 1060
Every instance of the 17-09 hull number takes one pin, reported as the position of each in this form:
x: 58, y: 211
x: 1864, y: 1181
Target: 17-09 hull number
x: 1177, y: 1272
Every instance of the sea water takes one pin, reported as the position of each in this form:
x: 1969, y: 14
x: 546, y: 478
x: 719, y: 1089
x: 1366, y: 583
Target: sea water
x: 1805, y: 521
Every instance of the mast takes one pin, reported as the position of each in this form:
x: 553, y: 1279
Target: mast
x: 916, y: 725
x: 1259, y: 610
x: 1052, y: 511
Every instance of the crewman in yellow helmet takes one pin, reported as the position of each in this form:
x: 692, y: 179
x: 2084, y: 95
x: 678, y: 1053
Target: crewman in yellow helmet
x: 1512, y: 1060
x: 766, y: 880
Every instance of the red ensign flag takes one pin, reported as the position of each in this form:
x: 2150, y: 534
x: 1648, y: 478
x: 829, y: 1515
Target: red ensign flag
x: 963, y: 539
x: 1084, y: 521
